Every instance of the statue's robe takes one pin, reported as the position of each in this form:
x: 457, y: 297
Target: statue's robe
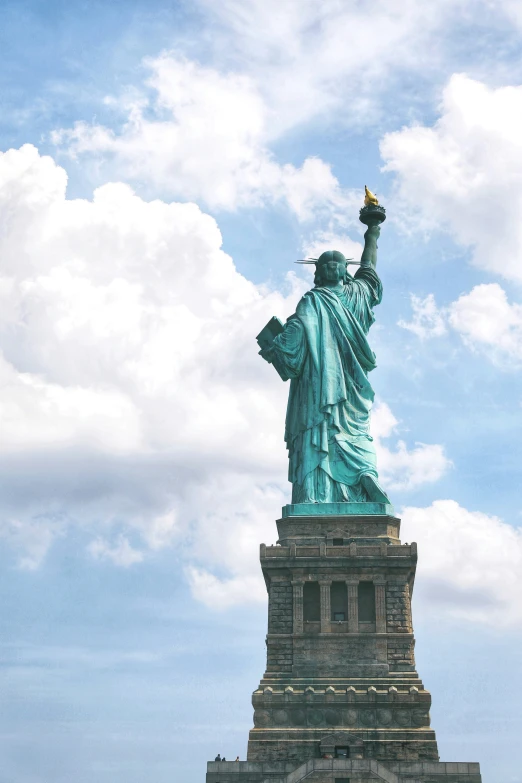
x: 324, y: 350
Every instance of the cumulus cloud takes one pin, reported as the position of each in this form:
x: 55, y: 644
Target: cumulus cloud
x: 121, y: 553
x: 196, y: 133
x: 489, y: 323
x: 464, y: 174
x: 315, y: 58
x: 133, y: 405
x: 469, y: 563
x: 207, y: 131
x: 128, y: 346
x: 427, y: 320
x: 401, y: 467
x: 484, y: 318
x: 331, y: 240
x: 222, y: 593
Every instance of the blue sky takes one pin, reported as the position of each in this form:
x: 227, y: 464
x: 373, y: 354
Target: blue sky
x: 161, y: 168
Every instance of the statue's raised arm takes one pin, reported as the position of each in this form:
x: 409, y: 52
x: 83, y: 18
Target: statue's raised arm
x: 324, y: 351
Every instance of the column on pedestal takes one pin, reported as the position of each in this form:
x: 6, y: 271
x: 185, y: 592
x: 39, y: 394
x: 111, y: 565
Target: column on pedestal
x: 298, y: 606
x: 326, y: 612
x: 353, y: 605
x: 380, y: 605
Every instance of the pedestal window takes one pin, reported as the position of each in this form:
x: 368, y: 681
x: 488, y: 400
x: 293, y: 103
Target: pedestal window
x: 339, y: 602
x: 366, y: 602
x: 311, y: 602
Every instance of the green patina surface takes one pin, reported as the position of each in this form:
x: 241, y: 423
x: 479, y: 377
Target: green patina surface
x: 337, y: 509
x: 323, y: 350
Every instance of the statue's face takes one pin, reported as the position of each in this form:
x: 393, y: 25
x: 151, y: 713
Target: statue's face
x: 333, y: 272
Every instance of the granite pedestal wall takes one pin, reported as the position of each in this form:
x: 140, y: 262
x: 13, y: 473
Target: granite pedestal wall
x: 340, y: 771
x: 340, y: 682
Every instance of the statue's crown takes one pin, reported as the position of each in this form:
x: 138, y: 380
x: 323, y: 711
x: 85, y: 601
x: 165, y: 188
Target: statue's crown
x: 328, y: 255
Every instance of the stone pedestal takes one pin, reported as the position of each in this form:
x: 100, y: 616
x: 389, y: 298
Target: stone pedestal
x: 340, y: 686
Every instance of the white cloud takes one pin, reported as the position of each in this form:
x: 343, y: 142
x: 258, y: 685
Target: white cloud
x: 513, y: 11
x: 331, y: 240
x: 133, y: 404
x: 207, y: 131
x: 400, y: 467
x: 316, y: 58
x: 484, y: 318
x: 469, y: 563
x: 30, y: 539
x: 406, y: 469
x: 163, y: 530
x: 121, y: 553
x: 199, y: 134
x: 428, y: 320
x: 464, y: 174
x: 33, y: 411
x: 222, y: 593
x: 488, y: 322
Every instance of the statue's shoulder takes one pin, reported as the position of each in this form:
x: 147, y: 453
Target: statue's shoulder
x: 318, y: 292
x: 310, y: 298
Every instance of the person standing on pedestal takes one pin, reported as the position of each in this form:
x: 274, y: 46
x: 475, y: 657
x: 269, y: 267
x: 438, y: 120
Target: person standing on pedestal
x: 324, y: 350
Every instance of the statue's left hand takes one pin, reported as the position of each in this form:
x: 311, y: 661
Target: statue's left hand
x: 266, y: 354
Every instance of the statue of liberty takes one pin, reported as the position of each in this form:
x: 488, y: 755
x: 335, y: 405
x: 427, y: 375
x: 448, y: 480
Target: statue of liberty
x: 323, y: 349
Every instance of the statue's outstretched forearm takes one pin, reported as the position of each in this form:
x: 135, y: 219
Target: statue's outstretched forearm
x: 369, y: 254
